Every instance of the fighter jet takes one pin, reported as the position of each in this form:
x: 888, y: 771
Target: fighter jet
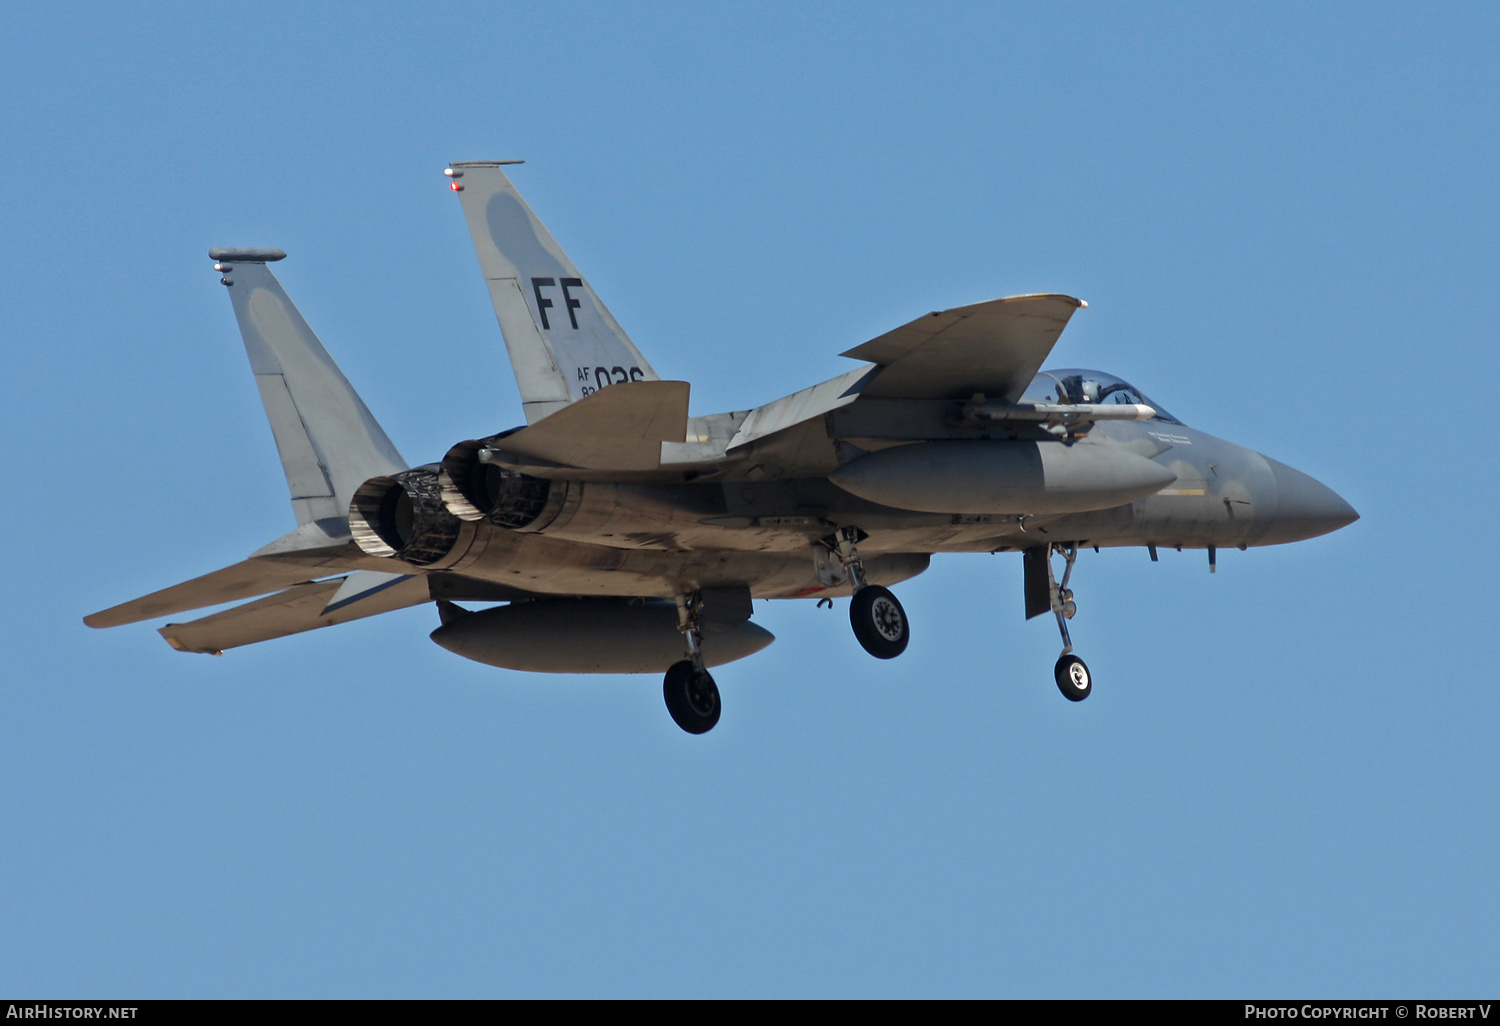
x: 616, y: 533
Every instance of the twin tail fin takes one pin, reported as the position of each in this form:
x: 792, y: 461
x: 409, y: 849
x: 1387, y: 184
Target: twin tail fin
x: 563, y: 342
x: 328, y: 441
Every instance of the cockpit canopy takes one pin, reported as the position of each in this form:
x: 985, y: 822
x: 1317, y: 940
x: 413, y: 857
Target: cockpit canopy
x: 1071, y: 385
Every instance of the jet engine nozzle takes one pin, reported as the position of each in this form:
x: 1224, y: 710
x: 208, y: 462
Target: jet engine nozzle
x: 403, y: 516
x: 1002, y: 477
x: 475, y: 490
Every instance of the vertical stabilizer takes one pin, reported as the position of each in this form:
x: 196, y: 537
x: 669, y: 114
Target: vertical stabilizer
x: 328, y: 441
x: 563, y: 342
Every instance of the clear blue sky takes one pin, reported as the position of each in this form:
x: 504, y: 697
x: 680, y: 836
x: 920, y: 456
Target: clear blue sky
x: 1284, y: 218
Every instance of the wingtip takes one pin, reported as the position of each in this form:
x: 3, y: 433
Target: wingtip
x: 181, y: 646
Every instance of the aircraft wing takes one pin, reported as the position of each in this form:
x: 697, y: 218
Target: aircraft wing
x: 994, y: 348
x: 302, y: 607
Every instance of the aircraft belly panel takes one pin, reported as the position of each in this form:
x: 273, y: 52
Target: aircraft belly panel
x: 555, y: 566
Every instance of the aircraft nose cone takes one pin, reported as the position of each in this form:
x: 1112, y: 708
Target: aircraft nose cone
x: 1305, y: 507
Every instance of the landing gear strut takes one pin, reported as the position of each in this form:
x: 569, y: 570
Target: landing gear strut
x: 691, y: 694
x: 1071, y: 672
x: 879, y: 622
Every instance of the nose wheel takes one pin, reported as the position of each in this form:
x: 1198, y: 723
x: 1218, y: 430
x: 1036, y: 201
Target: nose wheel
x: 1073, y: 678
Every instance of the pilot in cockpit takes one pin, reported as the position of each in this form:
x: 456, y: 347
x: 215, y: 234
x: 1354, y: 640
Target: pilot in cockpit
x: 1075, y: 388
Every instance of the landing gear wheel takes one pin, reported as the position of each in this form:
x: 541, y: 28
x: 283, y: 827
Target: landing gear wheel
x: 692, y: 698
x: 879, y: 622
x: 1073, y: 678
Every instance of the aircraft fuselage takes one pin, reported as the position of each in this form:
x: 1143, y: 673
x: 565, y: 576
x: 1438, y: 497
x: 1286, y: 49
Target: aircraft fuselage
x: 651, y: 538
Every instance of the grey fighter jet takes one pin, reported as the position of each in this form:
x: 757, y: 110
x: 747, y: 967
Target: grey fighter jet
x: 616, y: 533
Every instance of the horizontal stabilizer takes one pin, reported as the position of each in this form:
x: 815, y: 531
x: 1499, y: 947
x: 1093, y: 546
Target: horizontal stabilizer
x: 993, y: 348
x: 617, y: 428
x: 231, y: 584
x: 303, y: 607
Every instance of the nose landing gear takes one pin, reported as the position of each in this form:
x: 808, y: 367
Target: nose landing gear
x: 692, y: 696
x: 1071, y: 672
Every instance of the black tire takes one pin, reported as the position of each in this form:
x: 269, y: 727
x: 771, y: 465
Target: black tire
x: 692, y: 698
x: 879, y: 622
x: 1073, y: 678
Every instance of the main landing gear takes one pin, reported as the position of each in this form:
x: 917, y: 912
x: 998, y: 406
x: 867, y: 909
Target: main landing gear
x: 879, y: 622
x: 1071, y: 672
x: 691, y: 694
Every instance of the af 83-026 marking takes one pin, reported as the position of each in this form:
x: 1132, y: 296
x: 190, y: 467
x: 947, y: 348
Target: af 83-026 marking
x: 608, y: 376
